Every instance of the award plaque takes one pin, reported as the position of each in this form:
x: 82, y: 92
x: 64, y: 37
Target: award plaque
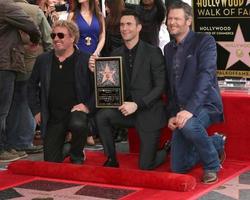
x: 108, y: 82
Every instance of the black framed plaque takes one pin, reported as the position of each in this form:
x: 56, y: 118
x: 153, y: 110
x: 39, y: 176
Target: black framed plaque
x: 108, y: 82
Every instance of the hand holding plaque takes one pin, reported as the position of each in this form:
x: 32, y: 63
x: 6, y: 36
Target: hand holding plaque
x: 108, y: 82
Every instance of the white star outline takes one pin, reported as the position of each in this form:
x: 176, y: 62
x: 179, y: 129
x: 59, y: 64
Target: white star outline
x: 61, y: 194
x: 232, y: 188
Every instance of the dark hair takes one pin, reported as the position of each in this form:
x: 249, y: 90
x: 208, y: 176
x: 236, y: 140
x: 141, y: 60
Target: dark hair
x: 75, y: 6
x: 161, y: 10
x: 128, y: 12
x: 116, y: 7
x: 181, y: 5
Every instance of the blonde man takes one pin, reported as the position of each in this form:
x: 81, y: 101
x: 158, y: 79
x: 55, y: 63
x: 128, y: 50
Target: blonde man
x: 65, y: 94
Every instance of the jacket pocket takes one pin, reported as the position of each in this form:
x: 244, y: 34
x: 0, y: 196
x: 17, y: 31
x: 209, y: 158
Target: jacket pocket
x: 17, y: 59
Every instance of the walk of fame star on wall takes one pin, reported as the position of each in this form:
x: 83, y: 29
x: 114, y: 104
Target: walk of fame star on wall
x: 239, y: 49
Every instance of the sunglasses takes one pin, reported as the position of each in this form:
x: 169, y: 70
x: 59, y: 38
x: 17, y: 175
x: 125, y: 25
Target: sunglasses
x: 59, y: 35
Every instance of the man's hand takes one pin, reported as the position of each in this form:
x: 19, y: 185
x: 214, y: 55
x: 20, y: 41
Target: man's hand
x: 172, y: 123
x: 80, y: 107
x: 182, y: 117
x: 128, y: 108
x: 92, y: 62
x: 38, y: 118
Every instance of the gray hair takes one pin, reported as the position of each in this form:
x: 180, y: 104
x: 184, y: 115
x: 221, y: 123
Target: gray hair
x: 70, y: 26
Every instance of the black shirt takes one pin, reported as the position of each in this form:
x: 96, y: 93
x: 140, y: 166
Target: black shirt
x: 130, y: 59
x: 130, y: 55
x: 62, y: 93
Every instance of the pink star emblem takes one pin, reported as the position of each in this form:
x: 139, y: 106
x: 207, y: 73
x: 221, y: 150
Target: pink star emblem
x: 107, y: 74
x: 239, y: 49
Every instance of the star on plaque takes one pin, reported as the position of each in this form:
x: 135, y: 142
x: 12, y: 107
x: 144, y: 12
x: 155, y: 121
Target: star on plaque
x: 107, y: 75
x: 239, y: 49
x: 232, y: 188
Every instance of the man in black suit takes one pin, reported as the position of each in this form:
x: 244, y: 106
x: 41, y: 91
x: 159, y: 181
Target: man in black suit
x: 59, y: 94
x: 143, y: 109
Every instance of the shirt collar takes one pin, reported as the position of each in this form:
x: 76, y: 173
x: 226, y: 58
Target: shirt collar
x: 133, y: 50
x: 184, y: 40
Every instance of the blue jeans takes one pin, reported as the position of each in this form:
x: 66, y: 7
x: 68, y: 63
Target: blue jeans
x: 20, y: 128
x: 7, y: 82
x: 191, y: 145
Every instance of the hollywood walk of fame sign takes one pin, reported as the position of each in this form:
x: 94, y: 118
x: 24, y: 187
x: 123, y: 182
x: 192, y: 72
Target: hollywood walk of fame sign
x: 228, y: 22
x: 108, y: 82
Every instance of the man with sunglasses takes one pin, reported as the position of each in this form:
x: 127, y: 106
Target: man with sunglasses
x: 60, y: 94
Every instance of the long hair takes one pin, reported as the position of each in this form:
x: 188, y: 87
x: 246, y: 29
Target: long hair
x: 94, y: 9
x: 116, y: 7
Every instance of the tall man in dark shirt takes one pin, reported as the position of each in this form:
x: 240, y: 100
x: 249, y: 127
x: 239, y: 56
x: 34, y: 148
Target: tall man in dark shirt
x: 144, y: 79
x: 59, y: 94
x: 194, y: 100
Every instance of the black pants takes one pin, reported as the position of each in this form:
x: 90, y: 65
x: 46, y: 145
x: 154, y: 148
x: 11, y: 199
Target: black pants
x: 77, y: 124
x: 149, y: 158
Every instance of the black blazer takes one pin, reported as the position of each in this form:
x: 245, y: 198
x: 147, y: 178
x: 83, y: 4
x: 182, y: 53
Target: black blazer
x: 147, y: 84
x: 39, y: 84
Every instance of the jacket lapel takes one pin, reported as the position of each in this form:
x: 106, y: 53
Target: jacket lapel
x: 124, y: 71
x: 182, y: 66
x: 47, y: 70
x: 138, y: 62
x: 170, y: 73
x: 121, y: 53
x: 185, y: 56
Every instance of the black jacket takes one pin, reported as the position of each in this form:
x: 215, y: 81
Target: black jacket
x: 39, y: 85
x: 147, y: 85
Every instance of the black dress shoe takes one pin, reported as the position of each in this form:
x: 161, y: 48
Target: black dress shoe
x: 78, y: 162
x: 111, y: 163
x: 167, y: 146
